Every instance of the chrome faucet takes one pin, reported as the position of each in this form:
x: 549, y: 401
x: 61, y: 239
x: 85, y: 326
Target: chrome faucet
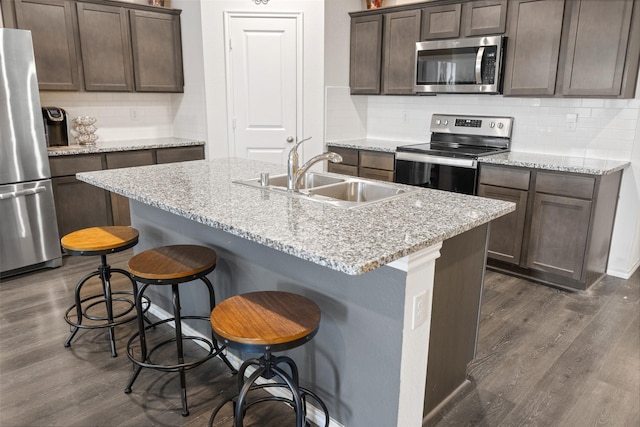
x: 294, y: 173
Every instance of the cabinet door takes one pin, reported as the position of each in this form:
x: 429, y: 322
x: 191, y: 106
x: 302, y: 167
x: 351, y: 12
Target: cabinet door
x: 559, y: 229
x: 54, y: 46
x: 595, y: 60
x: 106, y: 47
x: 534, y: 30
x: 506, y: 232
x: 441, y: 22
x: 366, y: 55
x: 157, y: 51
x: 79, y: 205
x: 401, y: 32
x: 484, y: 17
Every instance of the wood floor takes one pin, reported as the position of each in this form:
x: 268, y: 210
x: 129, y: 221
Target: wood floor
x: 546, y: 357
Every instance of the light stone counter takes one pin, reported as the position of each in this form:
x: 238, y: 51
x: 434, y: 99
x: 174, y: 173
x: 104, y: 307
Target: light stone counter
x: 585, y: 165
x: 124, y: 145
x: 387, y: 146
x: 353, y: 241
x: 589, y: 166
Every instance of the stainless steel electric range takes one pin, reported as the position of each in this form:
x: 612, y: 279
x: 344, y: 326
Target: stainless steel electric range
x: 450, y: 160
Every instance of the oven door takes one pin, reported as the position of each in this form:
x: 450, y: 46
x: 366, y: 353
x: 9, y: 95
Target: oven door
x: 442, y: 173
x: 471, y: 65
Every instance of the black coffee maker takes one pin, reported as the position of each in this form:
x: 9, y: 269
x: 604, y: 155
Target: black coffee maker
x: 55, y: 126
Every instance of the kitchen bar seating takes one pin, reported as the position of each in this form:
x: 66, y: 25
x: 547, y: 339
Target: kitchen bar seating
x: 172, y: 265
x: 264, y: 322
x: 85, y: 313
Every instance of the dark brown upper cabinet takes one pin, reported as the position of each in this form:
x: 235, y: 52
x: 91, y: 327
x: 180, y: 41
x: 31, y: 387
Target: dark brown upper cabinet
x: 441, y: 22
x: 101, y: 45
x: 595, y: 60
x: 365, y: 55
x: 401, y: 32
x: 157, y: 51
x: 106, y: 47
x: 52, y: 30
x: 484, y: 17
x: 534, y: 31
x: 572, y: 48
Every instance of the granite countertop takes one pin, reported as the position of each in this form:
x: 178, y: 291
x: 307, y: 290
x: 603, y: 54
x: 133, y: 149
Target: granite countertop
x: 353, y: 241
x: 387, y: 146
x: 124, y: 145
x: 585, y: 165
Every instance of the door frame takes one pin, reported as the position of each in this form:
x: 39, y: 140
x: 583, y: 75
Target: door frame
x: 228, y: 17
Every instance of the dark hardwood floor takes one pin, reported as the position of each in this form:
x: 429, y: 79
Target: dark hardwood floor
x: 545, y: 357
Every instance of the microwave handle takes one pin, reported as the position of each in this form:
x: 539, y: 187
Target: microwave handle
x: 479, y: 57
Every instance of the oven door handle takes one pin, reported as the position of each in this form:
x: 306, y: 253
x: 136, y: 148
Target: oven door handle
x: 438, y: 160
x: 479, y: 57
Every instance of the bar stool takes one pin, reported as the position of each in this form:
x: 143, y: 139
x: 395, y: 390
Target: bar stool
x: 172, y: 265
x: 101, y: 241
x: 265, y: 322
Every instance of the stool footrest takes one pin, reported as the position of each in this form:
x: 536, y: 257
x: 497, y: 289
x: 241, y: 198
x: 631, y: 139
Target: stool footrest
x: 211, y: 352
x: 70, y: 314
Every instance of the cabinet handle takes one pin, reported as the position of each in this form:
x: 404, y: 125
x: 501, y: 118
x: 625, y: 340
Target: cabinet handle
x: 290, y: 139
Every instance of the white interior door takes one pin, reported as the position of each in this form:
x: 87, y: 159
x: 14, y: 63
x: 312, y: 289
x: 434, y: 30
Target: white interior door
x: 264, y: 64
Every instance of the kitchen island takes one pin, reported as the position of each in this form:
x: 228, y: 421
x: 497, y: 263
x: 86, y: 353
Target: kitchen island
x: 365, y: 267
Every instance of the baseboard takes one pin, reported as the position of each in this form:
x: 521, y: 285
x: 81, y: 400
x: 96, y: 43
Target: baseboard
x: 624, y: 274
x: 435, y: 411
x: 314, y: 414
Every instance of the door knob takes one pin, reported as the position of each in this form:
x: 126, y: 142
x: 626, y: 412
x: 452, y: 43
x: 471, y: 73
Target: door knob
x: 290, y: 139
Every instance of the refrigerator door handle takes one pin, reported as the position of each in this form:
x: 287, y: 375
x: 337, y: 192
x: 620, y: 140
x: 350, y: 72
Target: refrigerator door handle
x: 16, y: 194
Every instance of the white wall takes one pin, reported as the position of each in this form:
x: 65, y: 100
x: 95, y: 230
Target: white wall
x: 214, y: 68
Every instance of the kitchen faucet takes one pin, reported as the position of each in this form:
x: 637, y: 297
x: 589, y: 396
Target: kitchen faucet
x: 294, y: 172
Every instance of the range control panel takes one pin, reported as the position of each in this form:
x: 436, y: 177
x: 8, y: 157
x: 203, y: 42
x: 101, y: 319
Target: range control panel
x: 472, y: 125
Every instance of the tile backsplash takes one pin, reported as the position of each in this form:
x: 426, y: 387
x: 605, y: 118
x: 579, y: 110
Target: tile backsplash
x: 120, y: 116
x: 603, y: 128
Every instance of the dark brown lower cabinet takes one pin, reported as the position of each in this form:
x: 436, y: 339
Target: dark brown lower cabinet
x: 79, y: 205
x: 560, y: 233
x: 558, y: 238
x: 505, y: 240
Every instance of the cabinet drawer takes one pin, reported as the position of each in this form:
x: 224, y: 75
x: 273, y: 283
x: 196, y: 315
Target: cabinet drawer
x: 129, y: 159
x: 70, y: 165
x: 349, y: 155
x: 379, y: 174
x: 180, y: 154
x: 505, y: 177
x: 343, y: 169
x: 565, y: 185
x: 377, y: 160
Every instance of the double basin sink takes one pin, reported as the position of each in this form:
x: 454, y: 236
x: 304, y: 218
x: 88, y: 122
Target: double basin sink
x: 334, y: 189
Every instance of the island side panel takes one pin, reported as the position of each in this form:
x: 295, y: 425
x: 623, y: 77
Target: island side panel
x: 354, y: 361
x: 457, y: 294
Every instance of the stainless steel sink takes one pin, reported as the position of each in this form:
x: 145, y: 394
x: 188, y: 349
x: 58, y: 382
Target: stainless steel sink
x: 334, y: 189
x: 358, y: 191
x: 307, y: 181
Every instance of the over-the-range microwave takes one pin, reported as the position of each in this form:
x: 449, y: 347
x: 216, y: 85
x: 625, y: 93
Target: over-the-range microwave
x: 469, y: 65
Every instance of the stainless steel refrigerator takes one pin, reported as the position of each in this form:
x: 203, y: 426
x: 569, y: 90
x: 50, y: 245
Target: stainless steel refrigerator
x: 28, y: 227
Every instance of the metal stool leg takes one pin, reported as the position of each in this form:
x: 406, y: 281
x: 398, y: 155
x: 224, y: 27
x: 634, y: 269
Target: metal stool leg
x: 212, y: 304
x: 78, y: 300
x: 141, y: 334
x: 105, y: 276
x: 178, y: 325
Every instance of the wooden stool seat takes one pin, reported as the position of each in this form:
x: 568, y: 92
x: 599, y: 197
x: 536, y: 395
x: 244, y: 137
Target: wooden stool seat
x: 251, y: 321
x: 265, y: 322
x: 172, y: 262
x: 97, y: 240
